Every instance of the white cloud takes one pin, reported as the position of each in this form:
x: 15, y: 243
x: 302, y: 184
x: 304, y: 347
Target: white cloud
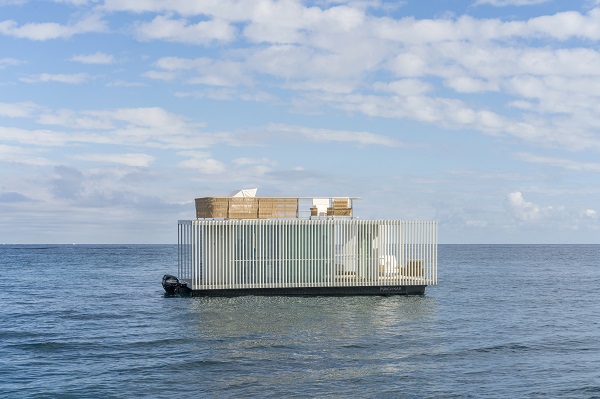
x: 6, y: 62
x: 591, y: 213
x: 202, y: 162
x: 95, y: 58
x: 17, y: 110
x: 12, y: 2
x: 47, y: 138
x: 203, y: 70
x: 528, y: 211
x: 504, y: 3
x: 182, y: 7
x: 77, y: 2
x: 123, y: 83
x: 76, y: 78
x: 329, y: 135
x: 134, y: 160
x: 42, y: 31
x: 568, y: 164
x: 404, y: 87
x: 245, y: 161
x: 465, y: 84
x: 160, y: 75
x: 21, y: 155
x: 203, y: 32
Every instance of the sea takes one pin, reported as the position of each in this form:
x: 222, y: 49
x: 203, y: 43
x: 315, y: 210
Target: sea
x: 504, y: 321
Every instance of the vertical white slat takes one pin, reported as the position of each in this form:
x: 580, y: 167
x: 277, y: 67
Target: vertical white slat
x: 421, y: 247
x: 313, y: 253
x: 205, y: 253
x: 408, y: 250
x: 228, y: 231
x: 191, y: 255
x: 218, y: 254
x: 261, y: 255
x: 309, y: 230
x: 263, y: 269
x: 201, y: 264
x: 227, y: 244
x: 234, y: 255
x: 373, y: 261
x: 339, y: 248
x: 258, y: 255
x: 209, y: 254
x: 270, y: 253
x: 282, y: 254
x: 398, y: 250
x: 193, y: 266
x: 436, y: 255
x: 294, y: 253
x: 434, y: 250
x: 436, y: 237
x: 302, y: 254
x: 414, y: 250
x: 429, y: 252
x: 213, y: 258
x: 364, y: 248
x: 331, y: 252
x: 251, y: 243
x: 220, y: 250
x: 288, y: 254
x: 426, y: 253
x: 298, y: 253
x: 276, y: 264
x: 194, y: 248
x: 246, y: 242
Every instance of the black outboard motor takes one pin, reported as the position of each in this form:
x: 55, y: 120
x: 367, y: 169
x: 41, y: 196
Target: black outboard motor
x: 173, y: 286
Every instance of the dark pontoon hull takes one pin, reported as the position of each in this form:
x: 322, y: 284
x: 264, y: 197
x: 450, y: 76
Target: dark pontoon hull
x: 315, y: 291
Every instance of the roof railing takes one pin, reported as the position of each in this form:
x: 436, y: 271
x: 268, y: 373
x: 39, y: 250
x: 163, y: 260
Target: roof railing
x: 274, y: 207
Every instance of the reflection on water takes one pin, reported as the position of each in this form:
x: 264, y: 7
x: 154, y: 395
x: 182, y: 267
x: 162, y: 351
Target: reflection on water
x: 304, y: 316
x: 312, y: 341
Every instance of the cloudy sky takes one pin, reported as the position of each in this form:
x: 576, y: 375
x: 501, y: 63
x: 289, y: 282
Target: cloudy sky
x: 482, y: 114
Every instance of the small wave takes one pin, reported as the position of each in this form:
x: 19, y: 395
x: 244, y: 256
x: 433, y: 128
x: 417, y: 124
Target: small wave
x: 355, y: 346
x: 509, y: 347
x: 197, y: 364
x: 160, y: 343
x: 46, y: 346
x: 592, y: 389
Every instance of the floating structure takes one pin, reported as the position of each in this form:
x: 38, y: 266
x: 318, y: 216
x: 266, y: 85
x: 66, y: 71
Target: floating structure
x: 247, y: 245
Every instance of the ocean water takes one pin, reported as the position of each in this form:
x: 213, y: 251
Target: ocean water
x: 505, y: 321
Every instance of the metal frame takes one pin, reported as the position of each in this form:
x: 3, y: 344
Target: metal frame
x: 294, y: 253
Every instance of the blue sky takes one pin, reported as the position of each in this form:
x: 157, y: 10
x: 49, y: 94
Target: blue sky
x: 482, y: 114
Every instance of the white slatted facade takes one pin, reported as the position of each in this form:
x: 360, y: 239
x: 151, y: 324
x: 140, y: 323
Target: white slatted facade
x: 289, y: 253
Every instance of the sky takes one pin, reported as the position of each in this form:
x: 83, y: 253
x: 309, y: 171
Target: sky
x: 480, y: 114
